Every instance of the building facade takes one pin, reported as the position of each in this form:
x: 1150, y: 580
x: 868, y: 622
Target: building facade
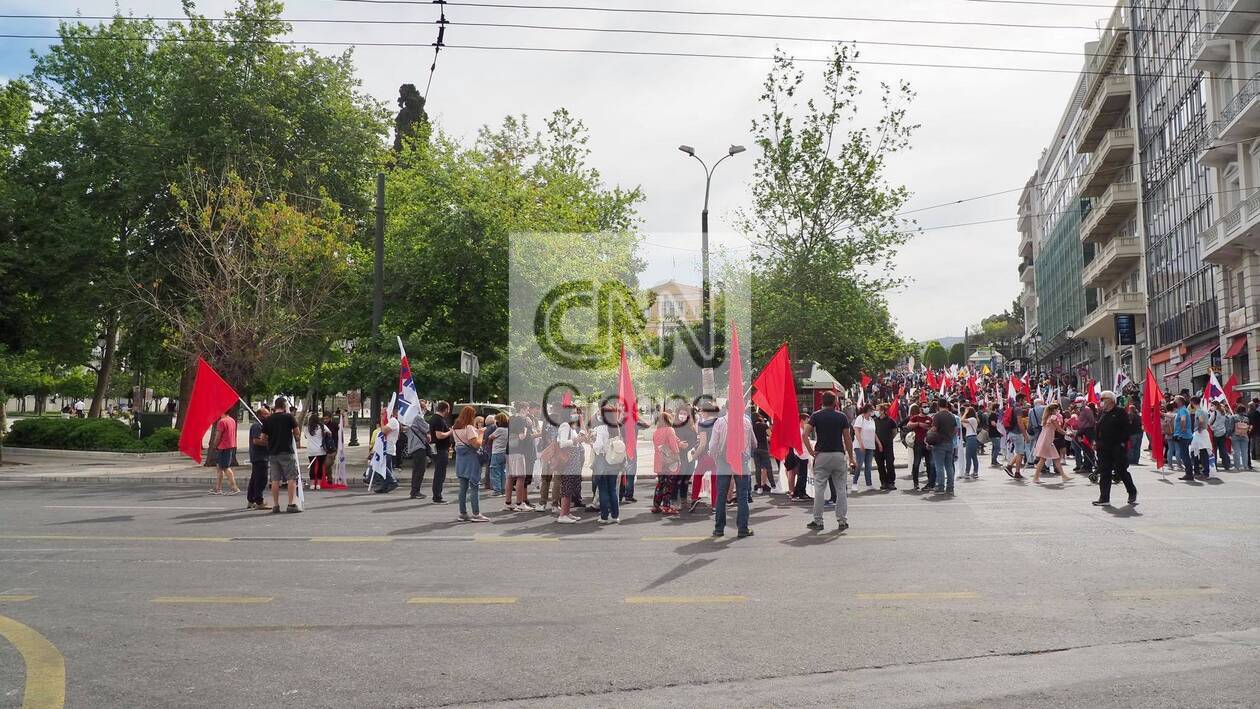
x: 1111, y: 232
x: 1177, y: 200
x: 1226, y: 49
x: 1059, y: 261
x: 674, y: 305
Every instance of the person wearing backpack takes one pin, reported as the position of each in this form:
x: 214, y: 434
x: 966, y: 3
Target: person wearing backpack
x: 1240, y: 439
x: 1221, y: 423
x: 1017, y: 439
x: 610, y: 458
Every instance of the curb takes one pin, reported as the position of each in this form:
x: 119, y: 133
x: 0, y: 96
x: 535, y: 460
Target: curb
x: 88, y: 455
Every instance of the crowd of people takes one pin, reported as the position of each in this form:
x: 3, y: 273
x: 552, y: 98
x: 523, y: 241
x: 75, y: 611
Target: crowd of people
x: 540, y: 461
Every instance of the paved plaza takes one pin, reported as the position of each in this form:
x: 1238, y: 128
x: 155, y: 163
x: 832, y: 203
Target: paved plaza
x: 1009, y: 595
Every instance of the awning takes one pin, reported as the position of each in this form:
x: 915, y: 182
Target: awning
x: 1236, y: 347
x: 1193, y: 357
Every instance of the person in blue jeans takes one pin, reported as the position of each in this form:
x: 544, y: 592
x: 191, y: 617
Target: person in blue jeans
x: 865, y: 443
x: 945, y: 425
x: 971, y: 430
x: 498, y: 439
x: 725, y: 473
x: 1183, y: 432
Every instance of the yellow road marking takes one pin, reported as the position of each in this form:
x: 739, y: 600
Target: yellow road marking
x: 943, y: 596
x: 351, y: 540
x: 15, y: 599
x: 1165, y: 593
x: 45, y: 666
x: 458, y: 600
x: 93, y: 538
x: 494, y: 538
x: 212, y: 599
x: 685, y: 599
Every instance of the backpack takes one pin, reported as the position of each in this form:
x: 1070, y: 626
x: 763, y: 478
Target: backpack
x: 615, y: 453
x: 1242, y: 429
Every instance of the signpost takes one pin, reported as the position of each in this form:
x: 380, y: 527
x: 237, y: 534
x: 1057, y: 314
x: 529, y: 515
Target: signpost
x: 469, y: 364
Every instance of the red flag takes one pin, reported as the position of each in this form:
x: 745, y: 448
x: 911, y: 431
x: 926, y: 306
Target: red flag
x: 211, y: 396
x: 567, y: 400
x: 1231, y: 391
x: 895, y: 409
x: 1094, y: 395
x: 931, y: 380
x: 776, y: 395
x: 625, y: 392
x: 866, y: 381
x: 971, y: 386
x: 735, y: 441
x: 1152, y: 416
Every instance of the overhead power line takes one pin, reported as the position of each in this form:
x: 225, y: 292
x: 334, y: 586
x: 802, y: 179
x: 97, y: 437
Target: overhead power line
x: 1111, y: 6
x: 608, y: 30
x: 757, y: 15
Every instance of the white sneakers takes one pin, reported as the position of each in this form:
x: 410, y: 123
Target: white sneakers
x: 523, y: 507
x: 568, y: 519
x: 614, y: 520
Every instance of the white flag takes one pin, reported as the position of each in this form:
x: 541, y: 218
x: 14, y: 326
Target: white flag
x: 409, y: 403
x: 1122, y: 380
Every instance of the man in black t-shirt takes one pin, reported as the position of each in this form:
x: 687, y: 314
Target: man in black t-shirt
x: 282, y: 432
x: 833, y: 457
x: 440, y: 429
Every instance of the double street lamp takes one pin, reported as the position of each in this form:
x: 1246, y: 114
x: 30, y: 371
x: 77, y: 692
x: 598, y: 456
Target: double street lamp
x: 704, y: 244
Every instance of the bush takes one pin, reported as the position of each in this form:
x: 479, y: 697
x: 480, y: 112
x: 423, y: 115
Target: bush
x: 87, y: 435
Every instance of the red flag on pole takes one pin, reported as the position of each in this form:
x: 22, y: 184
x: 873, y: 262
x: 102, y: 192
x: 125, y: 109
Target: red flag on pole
x: 1152, y: 416
x: 895, y: 409
x: 1231, y: 391
x: 1094, y: 395
x: 776, y: 395
x: 866, y: 380
x: 931, y: 380
x: 211, y: 396
x: 735, y: 441
x: 625, y: 392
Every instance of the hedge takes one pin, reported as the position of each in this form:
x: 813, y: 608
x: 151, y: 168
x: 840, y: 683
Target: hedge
x: 87, y: 435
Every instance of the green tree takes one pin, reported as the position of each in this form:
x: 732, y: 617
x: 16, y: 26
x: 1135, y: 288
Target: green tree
x: 934, y: 355
x: 958, y: 354
x: 826, y: 218
x: 451, y: 209
x: 256, y: 276
x: 128, y: 104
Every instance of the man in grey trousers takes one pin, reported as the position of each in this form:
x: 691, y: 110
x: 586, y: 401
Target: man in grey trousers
x: 833, y: 457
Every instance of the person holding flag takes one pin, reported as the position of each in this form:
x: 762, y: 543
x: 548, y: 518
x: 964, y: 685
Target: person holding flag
x: 731, y: 444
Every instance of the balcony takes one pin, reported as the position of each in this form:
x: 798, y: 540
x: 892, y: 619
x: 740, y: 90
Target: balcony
x: 1240, y: 118
x: 1026, y: 273
x: 1234, y: 18
x: 1025, y: 245
x: 1112, y: 261
x: 1108, y: 53
x: 1240, y: 320
x: 1113, y: 156
x: 1028, y: 298
x: 1104, y: 110
x: 1110, y: 211
x: 1207, y: 52
x: 1100, y: 322
x: 1233, y: 235
x: 1211, y: 152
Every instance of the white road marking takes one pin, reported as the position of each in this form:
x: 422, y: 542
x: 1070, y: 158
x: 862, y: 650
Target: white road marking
x: 134, y: 507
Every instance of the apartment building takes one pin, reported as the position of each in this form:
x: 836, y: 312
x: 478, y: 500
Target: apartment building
x: 1111, y: 231
x: 1177, y: 199
x: 1029, y: 240
x: 1226, y: 49
x: 1055, y: 225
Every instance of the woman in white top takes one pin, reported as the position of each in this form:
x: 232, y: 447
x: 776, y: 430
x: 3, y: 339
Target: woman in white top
x: 570, y: 436
x: 315, y: 449
x: 865, y: 443
x: 970, y: 431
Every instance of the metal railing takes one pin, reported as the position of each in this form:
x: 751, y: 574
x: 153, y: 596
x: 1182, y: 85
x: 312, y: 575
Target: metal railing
x: 1239, y: 102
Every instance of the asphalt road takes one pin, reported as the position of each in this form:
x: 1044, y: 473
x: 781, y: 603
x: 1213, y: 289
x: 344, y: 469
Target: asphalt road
x: 1009, y: 595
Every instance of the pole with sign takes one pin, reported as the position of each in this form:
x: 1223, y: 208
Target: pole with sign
x: 468, y: 364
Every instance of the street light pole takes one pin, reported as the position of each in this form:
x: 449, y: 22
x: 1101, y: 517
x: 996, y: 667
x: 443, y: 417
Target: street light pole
x: 705, y: 302
x: 378, y: 285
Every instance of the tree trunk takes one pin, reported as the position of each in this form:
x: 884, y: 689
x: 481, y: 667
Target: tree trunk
x: 313, y: 389
x: 107, y: 365
x: 185, y: 393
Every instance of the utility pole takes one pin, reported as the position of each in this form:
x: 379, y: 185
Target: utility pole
x: 378, y: 285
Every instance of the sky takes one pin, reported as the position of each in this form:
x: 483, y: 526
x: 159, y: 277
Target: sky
x: 981, y: 132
